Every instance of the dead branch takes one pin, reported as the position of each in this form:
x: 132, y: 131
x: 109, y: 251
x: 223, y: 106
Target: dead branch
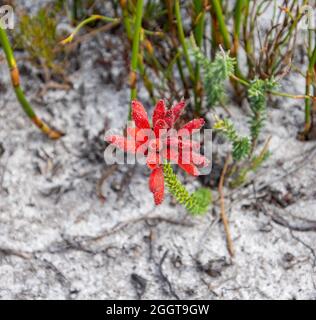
x: 122, y: 225
x: 222, y: 205
x: 303, y: 225
x: 13, y: 252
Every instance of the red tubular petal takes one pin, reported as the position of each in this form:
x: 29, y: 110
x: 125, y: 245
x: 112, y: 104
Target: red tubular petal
x: 139, y: 115
x: 187, y: 144
x: 185, y: 162
x: 194, y: 124
x: 156, y: 185
x: 189, y: 168
x: 173, y: 142
x: 132, y: 132
x: 186, y: 165
x: 159, y: 112
x: 142, y: 148
x: 190, y: 145
x: 159, y: 196
x: 153, y: 160
x: 199, y: 160
x: 160, y: 125
x: 115, y: 139
x: 177, y: 109
x: 127, y: 145
x: 169, y: 118
x: 190, y: 157
x: 151, y: 163
x: 171, y: 155
x: 139, y: 135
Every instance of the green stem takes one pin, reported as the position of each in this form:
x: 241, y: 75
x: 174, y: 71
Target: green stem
x: 277, y: 93
x: 198, y: 35
x: 147, y: 83
x: 309, y: 75
x: 247, y: 40
x: 199, y: 18
x: 216, y: 5
x: 291, y: 96
x: 135, y: 49
x: 186, y: 51
x: 76, y: 10
x: 87, y: 21
x: 127, y: 25
x: 237, y: 20
x: 182, y: 39
x: 241, y: 81
x: 15, y: 79
x: 126, y: 21
x: 293, y: 26
x: 237, y: 26
x: 169, y: 5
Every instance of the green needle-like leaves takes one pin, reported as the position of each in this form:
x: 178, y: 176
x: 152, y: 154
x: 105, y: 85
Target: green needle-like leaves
x: 196, y: 203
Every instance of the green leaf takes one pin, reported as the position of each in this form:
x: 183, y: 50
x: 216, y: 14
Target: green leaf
x: 257, y: 101
x: 241, y: 145
x: 202, y: 197
x: 215, y: 74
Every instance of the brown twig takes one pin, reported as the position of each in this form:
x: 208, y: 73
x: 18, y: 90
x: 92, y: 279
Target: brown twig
x: 230, y: 246
x: 17, y: 253
x: 124, y: 224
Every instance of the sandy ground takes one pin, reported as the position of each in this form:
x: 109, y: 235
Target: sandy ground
x: 58, y: 240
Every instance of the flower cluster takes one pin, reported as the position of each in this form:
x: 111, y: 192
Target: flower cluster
x: 161, y: 143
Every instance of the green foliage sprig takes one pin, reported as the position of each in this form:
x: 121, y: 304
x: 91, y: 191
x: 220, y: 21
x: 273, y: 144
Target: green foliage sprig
x: 38, y: 36
x: 257, y: 100
x: 215, y: 73
x: 254, y: 164
x: 196, y: 203
x: 241, y: 145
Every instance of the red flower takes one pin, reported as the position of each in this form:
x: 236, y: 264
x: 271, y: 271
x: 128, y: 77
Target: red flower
x: 161, y: 142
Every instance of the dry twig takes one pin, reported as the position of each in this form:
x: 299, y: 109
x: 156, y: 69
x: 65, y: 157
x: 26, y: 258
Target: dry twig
x: 230, y: 246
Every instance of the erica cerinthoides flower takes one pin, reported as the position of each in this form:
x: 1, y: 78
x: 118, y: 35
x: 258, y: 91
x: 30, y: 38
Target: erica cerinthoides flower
x: 160, y: 143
